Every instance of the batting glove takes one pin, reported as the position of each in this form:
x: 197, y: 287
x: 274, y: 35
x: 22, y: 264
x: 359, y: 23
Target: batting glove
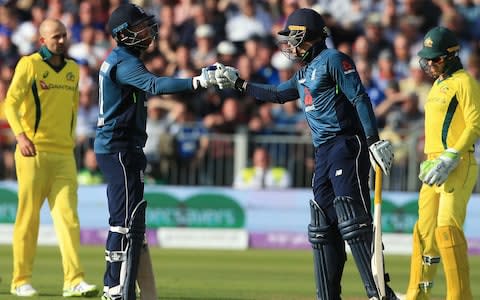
x: 381, y: 154
x: 436, y: 171
x: 206, y: 79
x: 226, y: 76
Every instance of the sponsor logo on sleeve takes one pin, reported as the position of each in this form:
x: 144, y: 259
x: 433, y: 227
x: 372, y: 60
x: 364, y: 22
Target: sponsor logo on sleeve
x: 347, y: 67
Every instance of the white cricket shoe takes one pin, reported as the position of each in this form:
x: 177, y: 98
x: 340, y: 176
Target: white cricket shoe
x: 82, y: 289
x: 24, y: 290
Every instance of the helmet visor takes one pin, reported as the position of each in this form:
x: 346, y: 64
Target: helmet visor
x: 288, y: 43
x: 141, y: 35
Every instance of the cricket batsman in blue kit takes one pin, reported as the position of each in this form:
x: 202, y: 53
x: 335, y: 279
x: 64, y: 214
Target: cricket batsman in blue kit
x: 344, y: 133
x: 120, y: 138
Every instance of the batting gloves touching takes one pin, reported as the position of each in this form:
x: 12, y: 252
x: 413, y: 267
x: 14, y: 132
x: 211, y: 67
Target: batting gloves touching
x: 436, y: 171
x: 381, y: 154
x: 206, y: 79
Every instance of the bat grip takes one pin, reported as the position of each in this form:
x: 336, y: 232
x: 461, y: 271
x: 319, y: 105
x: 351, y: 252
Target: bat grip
x: 378, y: 185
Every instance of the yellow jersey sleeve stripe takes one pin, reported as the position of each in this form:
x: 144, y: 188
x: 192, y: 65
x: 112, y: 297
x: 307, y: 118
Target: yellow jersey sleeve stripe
x: 38, y: 108
x: 452, y: 107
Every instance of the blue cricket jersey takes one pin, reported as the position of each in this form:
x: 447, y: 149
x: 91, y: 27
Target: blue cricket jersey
x: 123, y: 84
x: 333, y: 98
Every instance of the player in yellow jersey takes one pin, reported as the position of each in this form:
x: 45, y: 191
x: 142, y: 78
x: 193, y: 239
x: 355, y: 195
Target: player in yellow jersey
x: 452, y: 126
x: 41, y: 108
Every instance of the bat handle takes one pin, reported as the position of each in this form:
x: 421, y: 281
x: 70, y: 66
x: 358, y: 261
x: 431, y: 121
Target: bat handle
x: 378, y: 185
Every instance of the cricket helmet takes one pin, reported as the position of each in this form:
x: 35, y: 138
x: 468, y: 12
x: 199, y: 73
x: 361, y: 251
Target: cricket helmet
x: 439, y: 46
x: 439, y: 41
x: 122, y: 22
x: 302, y: 25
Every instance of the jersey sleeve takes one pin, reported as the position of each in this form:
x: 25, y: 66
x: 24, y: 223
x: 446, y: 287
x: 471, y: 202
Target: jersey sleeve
x: 134, y: 73
x: 284, y: 92
x: 76, y: 103
x: 17, y: 93
x: 344, y: 73
x: 467, y: 96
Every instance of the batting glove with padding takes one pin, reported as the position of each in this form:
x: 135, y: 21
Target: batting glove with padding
x: 206, y: 79
x: 381, y: 154
x: 227, y: 77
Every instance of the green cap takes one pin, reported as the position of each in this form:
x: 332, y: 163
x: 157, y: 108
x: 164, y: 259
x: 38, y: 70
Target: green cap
x: 437, y: 42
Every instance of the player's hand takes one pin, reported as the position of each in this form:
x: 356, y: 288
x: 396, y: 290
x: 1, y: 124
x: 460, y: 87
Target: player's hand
x: 27, y: 148
x: 436, y: 171
x: 206, y: 79
x: 381, y: 154
x: 225, y: 76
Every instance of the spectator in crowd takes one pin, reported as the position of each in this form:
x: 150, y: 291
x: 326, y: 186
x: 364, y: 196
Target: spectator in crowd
x: 401, y: 53
x: 228, y: 120
x: 473, y: 65
x: 84, y: 19
x: 250, y: 20
x: 262, y: 175
x: 8, y: 50
x: 90, y: 173
x: 25, y: 36
x: 361, y: 50
x: 87, y: 108
x: 159, y: 119
x: 375, y: 93
x: 42, y: 119
x: 87, y: 49
x: 374, y: 34
x: 226, y: 53
x: 190, y: 142
x: 416, y: 83
x: 204, y: 52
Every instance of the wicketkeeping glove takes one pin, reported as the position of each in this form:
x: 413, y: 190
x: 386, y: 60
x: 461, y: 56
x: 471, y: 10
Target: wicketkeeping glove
x: 381, y: 154
x: 206, y: 79
x: 226, y: 76
x: 436, y: 171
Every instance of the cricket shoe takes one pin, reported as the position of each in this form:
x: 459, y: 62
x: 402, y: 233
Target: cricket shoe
x: 24, y: 290
x: 82, y: 289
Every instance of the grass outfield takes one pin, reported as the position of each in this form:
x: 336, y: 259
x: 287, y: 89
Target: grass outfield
x: 215, y: 275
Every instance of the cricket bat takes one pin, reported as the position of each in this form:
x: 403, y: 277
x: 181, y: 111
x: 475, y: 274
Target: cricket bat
x: 377, y: 246
x: 145, y: 276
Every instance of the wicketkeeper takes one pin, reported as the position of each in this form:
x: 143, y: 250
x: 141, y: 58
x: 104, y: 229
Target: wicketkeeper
x: 452, y: 126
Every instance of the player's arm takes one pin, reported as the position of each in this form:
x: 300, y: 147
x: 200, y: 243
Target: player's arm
x: 469, y: 103
x: 76, y: 100
x: 344, y: 73
x: 227, y: 77
x: 17, y: 92
x: 135, y: 74
x: 284, y: 92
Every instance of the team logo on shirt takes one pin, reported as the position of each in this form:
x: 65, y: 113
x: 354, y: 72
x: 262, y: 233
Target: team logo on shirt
x: 308, y: 100
x: 70, y: 76
x: 45, y: 74
x: 43, y: 85
x: 347, y: 67
x: 444, y: 89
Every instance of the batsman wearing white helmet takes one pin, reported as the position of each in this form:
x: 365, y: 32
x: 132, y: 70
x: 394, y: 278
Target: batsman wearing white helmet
x: 344, y: 133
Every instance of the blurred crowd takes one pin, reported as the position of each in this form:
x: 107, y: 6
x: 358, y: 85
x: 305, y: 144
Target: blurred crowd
x: 382, y: 36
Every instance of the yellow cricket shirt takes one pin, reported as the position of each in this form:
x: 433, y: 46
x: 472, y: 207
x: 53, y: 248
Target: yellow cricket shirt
x: 42, y: 101
x: 452, y: 114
